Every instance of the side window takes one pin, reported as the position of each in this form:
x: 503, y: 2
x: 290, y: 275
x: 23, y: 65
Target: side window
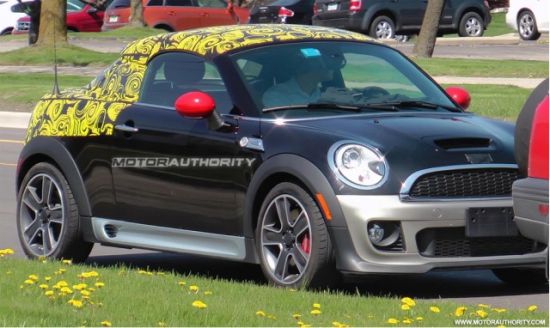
x: 212, y: 3
x: 74, y: 5
x: 170, y: 75
x: 155, y: 3
x: 179, y: 3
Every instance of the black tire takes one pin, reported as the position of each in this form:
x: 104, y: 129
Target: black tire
x: 70, y: 244
x: 471, y: 24
x: 382, y: 27
x: 527, y: 26
x: 6, y: 31
x: 516, y: 276
x: 320, y: 269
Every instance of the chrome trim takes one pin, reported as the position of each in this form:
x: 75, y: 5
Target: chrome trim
x: 126, y: 128
x: 336, y: 171
x: 169, y: 239
x: 407, y: 185
x: 252, y: 143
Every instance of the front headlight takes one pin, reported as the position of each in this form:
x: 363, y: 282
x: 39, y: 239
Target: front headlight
x: 357, y: 165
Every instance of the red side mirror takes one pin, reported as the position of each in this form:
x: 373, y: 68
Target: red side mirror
x: 195, y: 104
x: 460, y: 96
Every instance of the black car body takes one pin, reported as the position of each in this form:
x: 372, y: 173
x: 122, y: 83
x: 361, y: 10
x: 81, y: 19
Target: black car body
x: 386, y: 18
x: 381, y: 174
x: 270, y: 12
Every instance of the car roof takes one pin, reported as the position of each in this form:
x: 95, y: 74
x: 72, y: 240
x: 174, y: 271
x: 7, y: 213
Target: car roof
x: 213, y: 41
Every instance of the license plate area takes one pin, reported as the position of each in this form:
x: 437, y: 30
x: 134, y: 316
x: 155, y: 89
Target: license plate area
x: 113, y: 19
x: 490, y: 222
x: 332, y: 7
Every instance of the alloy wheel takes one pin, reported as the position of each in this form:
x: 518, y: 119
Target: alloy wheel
x: 41, y: 215
x: 526, y: 25
x: 473, y: 27
x: 384, y: 30
x: 286, y: 239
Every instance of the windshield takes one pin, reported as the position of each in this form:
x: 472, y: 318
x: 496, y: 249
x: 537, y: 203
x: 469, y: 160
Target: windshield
x: 304, y: 79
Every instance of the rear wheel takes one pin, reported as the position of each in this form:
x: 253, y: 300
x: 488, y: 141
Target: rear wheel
x: 47, y: 216
x: 292, y: 239
x: 382, y: 27
x: 527, y: 26
x: 471, y: 24
x: 516, y: 276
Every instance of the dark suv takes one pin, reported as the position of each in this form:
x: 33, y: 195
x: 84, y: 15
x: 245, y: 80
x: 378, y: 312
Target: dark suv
x: 383, y: 19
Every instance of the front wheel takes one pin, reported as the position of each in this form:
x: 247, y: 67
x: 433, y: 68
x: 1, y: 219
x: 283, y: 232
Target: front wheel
x: 47, y: 216
x: 527, y: 26
x: 471, y: 25
x: 292, y: 239
x: 382, y: 27
x: 516, y: 276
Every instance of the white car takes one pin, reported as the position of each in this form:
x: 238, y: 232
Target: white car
x: 8, y: 19
x: 528, y: 17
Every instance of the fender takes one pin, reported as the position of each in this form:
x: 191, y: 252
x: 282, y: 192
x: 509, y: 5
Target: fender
x: 54, y: 149
x: 461, y: 10
x: 374, y: 11
x: 302, y: 169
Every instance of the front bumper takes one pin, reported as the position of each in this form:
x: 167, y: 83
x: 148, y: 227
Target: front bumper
x: 355, y: 253
x: 531, y: 208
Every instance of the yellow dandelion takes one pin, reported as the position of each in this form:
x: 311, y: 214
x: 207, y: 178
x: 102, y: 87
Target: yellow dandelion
x: 68, y: 262
x: 66, y: 290
x: 6, y: 251
x: 89, y: 274
x: 532, y: 308
x: 481, y: 313
x: 181, y: 283
x: 43, y: 286
x: 207, y: 293
x: 99, y: 284
x: 91, y: 290
x: 435, y: 309
x: 28, y: 282
x: 393, y: 321
x: 405, y: 307
x: 271, y: 316
x: 194, y: 288
x: 483, y: 306
x: 291, y: 290
x: 80, y: 286
x: 260, y: 313
x: 199, y: 304
x: 408, y: 301
x: 84, y: 293
x: 61, y: 270
x: 296, y: 316
x: 62, y: 283
x: 407, y: 321
x: 459, y: 311
x: 419, y: 318
x: 315, y: 312
x: 106, y: 323
x: 48, y: 293
x: 77, y: 304
x: 161, y: 324
x: 316, y: 306
x: 499, y: 310
x: 47, y: 278
x: 33, y: 277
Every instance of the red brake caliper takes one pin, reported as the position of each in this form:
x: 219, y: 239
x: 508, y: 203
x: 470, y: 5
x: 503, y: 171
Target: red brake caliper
x: 305, y: 243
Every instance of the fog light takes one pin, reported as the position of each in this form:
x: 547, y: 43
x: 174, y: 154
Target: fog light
x: 376, y: 234
x: 384, y: 234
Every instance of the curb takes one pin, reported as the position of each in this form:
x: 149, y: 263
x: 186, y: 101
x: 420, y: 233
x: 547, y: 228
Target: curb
x: 507, y: 39
x: 14, y: 120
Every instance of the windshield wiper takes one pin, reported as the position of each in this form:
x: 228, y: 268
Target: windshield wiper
x: 314, y: 106
x: 411, y: 103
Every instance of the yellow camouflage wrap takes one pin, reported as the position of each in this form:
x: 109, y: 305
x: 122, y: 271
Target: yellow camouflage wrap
x: 92, y: 110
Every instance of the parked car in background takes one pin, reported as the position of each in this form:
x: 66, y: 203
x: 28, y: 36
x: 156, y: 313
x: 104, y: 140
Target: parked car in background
x: 528, y: 17
x: 81, y: 17
x: 383, y: 19
x: 8, y: 19
x: 282, y: 11
x: 176, y: 15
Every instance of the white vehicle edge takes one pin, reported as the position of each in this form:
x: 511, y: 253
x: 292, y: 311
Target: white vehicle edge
x: 8, y: 19
x: 528, y: 17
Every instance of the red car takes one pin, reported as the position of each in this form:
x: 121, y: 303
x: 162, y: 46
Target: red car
x: 530, y: 195
x: 81, y: 17
x: 176, y: 15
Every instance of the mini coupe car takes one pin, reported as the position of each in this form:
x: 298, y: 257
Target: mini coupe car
x: 308, y: 150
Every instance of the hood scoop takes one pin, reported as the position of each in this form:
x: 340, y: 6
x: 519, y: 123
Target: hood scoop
x: 463, y: 143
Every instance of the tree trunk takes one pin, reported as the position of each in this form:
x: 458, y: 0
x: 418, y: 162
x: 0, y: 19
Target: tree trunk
x: 53, y: 17
x: 136, y: 13
x: 425, y: 44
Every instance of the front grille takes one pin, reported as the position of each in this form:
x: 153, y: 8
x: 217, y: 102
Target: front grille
x: 465, y: 183
x: 452, y: 242
x: 23, y: 26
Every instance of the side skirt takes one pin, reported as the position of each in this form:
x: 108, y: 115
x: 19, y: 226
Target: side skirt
x: 129, y: 234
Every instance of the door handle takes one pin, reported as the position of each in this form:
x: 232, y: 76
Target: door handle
x: 126, y: 128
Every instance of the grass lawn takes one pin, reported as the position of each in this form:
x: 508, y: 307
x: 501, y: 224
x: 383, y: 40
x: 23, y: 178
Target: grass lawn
x: 127, y: 33
x: 128, y: 297
x: 484, y: 67
x: 67, y: 55
x: 498, y: 25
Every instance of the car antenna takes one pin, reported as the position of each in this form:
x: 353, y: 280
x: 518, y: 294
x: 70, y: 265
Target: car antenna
x: 55, y: 90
